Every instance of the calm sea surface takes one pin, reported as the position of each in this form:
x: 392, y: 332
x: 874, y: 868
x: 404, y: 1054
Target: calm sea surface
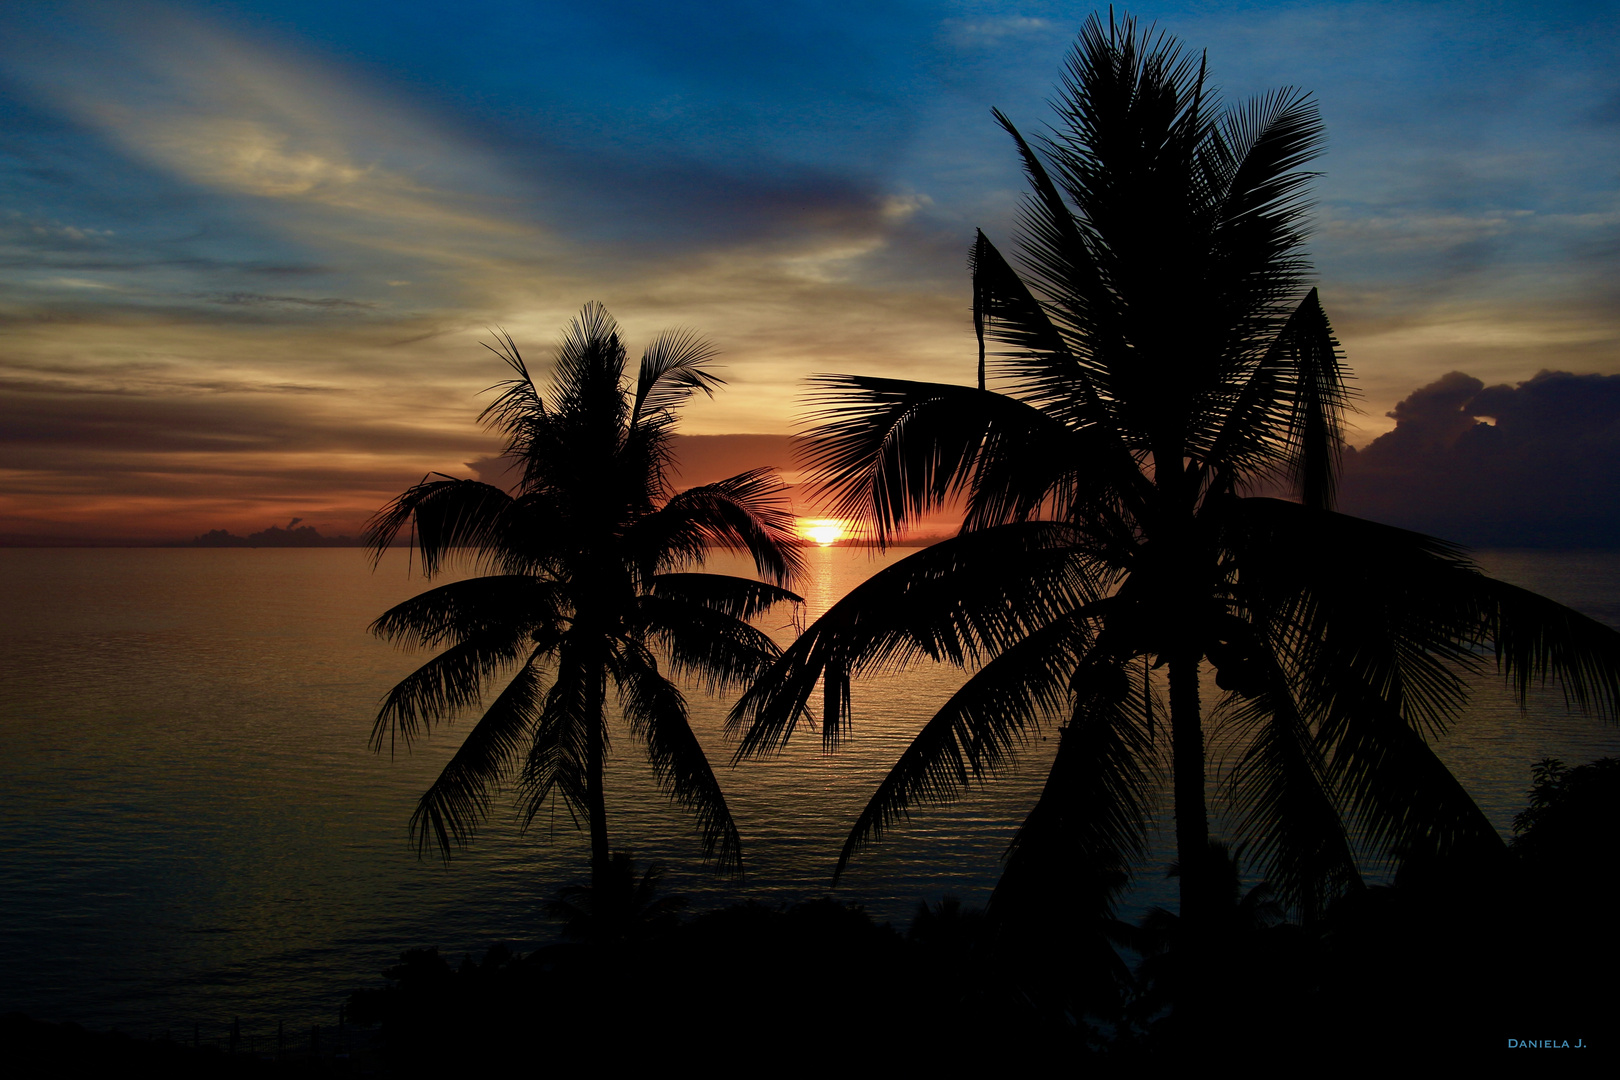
x: 195, y: 829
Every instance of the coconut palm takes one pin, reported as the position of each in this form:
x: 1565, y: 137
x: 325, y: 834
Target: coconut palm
x: 1161, y: 359
x: 587, y: 583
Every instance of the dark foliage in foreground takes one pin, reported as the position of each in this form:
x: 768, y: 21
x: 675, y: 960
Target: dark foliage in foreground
x: 1455, y: 958
x: 749, y: 983
x: 1449, y: 967
x: 1573, y: 817
x: 70, y: 1050
x: 1453, y: 966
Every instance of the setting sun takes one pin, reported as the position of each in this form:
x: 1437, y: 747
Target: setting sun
x: 823, y: 531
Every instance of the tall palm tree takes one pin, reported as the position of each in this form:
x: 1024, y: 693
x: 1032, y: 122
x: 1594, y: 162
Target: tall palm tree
x: 1162, y: 358
x: 587, y: 581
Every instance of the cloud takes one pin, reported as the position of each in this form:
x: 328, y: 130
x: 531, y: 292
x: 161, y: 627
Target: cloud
x: 969, y: 34
x: 155, y: 450
x: 254, y: 299
x: 240, y: 241
x: 1535, y: 464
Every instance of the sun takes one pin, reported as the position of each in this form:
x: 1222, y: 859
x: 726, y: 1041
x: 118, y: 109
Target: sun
x: 824, y: 531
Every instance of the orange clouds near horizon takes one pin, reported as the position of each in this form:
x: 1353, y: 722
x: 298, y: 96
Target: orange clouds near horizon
x: 177, y: 506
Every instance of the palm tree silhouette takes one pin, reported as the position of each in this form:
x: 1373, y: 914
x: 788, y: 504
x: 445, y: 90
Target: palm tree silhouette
x: 1162, y: 357
x: 587, y: 581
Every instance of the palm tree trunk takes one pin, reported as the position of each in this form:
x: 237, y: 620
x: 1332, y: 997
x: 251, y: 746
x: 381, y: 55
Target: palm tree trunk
x: 1187, y: 766
x: 595, y: 802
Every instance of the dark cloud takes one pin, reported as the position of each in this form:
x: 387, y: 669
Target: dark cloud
x: 255, y: 299
x: 86, y: 463
x: 666, y: 203
x: 226, y: 421
x: 1531, y: 465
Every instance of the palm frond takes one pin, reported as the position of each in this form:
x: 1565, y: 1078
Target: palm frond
x: 1410, y: 616
x: 1285, y: 419
x: 656, y: 710
x: 886, y: 451
x: 1535, y: 638
x: 1265, y: 142
x: 977, y: 732
x: 1284, y: 798
x: 446, y: 516
x: 588, y: 378
x: 1077, y: 847
x: 445, y: 686
x: 556, y: 766
x: 718, y: 649
x: 1259, y: 200
x: 517, y: 603
x: 1315, y: 437
x: 1132, y: 112
x: 1045, y: 371
x: 747, y: 512
x: 1061, y: 253
x: 956, y: 601
x: 1392, y: 611
x: 450, y: 811
x: 1012, y: 315
x: 1404, y: 799
x: 1384, y: 627
x: 672, y: 370
x: 519, y: 401
x: 741, y: 598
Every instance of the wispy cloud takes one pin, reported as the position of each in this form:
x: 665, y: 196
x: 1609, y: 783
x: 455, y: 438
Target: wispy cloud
x: 978, y: 33
x: 286, y: 244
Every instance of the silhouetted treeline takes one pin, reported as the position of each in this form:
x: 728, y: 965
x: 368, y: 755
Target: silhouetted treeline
x: 1454, y: 959
x: 70, y: 1050
x: 779, y: 990
x: 1450, y: 960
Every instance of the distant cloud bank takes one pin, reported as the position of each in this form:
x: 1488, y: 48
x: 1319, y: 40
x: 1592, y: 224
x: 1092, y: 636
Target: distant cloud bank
x: 274, y: 536
x: 1535, y: 464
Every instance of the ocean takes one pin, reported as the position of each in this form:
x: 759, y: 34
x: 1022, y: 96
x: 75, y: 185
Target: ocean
x: 196, y: 830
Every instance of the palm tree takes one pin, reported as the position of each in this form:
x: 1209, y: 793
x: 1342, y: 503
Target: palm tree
x: 1162, y: 359
x: 587, y: 581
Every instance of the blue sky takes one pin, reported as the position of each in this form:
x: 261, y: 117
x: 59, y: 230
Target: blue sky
x: 250, y: 249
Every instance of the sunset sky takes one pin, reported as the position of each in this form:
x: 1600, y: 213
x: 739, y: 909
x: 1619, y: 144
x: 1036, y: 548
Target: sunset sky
x: 251, y: 249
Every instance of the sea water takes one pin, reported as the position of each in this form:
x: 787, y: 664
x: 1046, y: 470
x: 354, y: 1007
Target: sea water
x: 196, y: 829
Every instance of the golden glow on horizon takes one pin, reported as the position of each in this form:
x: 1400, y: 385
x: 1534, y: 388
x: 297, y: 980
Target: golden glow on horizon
x: 824, y: 531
